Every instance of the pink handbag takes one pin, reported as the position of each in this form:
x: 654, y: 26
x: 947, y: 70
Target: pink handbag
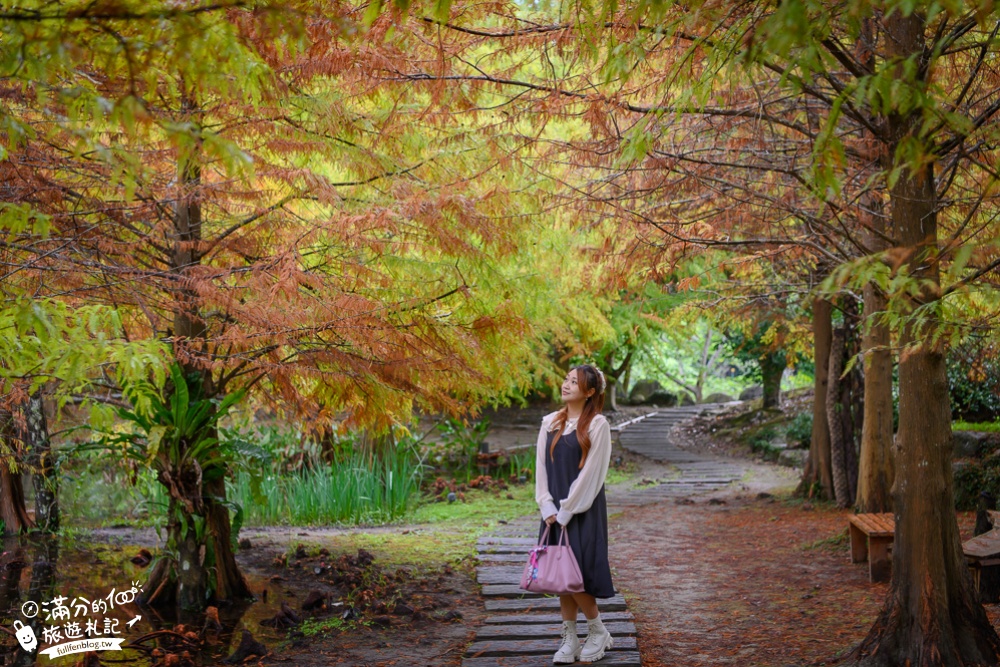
x: 552, y: 569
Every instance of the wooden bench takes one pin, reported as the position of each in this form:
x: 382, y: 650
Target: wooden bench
x: 871, y: 535
x: 982, y: 553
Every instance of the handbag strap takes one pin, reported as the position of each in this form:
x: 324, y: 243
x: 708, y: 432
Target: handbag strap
x: 563, y: 539
x: 544, y: 539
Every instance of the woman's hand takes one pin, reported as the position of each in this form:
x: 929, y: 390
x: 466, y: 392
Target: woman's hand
x: 550, y: 520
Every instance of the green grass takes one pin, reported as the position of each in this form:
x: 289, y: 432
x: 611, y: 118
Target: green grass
x: 351, y: 491
x: 987, y: 427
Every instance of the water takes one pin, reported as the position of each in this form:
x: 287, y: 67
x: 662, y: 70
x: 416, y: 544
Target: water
x: 65, y: 573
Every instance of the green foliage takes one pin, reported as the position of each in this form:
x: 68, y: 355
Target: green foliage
x: 97, y: 492
x: 982, y: 427
x: 456, y: 452
x: 169, y: 434
x: 974, y: 382
x: 800, y: 428
x: 760, y: 440
x: 45, y: 341
x: 354, y: 488
x: 318, y: 626
x: 973, y: 478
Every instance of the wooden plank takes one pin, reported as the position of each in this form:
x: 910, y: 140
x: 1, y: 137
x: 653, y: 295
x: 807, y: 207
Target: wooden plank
x: 611, y: 659
x: 532, y: 619
x: 876, y: 525
x: 497, y: 574
x: 505, y: 541
x: 506, y: 591
x: 505, y: 548
x: 986, y: 545
x: 547, y: 630
x: 503, y: 558
x: 496, y: 647
x: 525, y: 604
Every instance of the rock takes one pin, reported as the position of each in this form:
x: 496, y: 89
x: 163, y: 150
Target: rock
x: 452, y: 497
x: 382, y: 621
x: 452, y: 615
x: 662, y: 398
x: 245, y: 543
x: 973, y: 444
x: 687, y: 399
x: 793, y: 458
x: 642, y: 390
x: 752, y: 393
x: 718, y: 397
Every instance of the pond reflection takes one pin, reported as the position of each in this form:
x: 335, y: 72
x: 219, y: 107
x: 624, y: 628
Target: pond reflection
x: 70, y: 573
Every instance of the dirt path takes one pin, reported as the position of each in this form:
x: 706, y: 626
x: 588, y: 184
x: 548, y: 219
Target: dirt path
x: 743, y: 575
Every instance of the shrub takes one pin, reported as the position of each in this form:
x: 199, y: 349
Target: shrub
x: 973, y: 478
x: 974, y: 381
x: 800, y: 429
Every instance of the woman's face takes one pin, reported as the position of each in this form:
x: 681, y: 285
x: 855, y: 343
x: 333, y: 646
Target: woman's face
x: 571, y: 389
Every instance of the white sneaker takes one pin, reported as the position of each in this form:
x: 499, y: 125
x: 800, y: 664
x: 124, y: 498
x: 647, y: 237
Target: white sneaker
x: 569, y: 652
x: 598, y: 641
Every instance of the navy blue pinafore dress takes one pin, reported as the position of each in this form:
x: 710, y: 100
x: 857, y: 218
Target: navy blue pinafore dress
x: 587, y: 532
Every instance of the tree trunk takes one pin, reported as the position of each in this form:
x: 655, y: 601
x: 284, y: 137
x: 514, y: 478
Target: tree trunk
x: 876, y: 468
x: 44, y: 476
x: 932, y: 614
x: 772, y: 368
x: 817, y: 472
x: 834, y: 418
x: 230, y: 584
x: 205, y: 561
x: 13, y: 513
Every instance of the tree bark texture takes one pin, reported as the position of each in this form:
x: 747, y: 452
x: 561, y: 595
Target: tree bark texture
x: 834, y: 417
x: 772, y: 367
x: 876, y: 469
x: 818, y: 470
x: 932, y: 614
x: 208, y: 561
x: 230, y: 584
x: 13, y: 512
x: 44, y: 477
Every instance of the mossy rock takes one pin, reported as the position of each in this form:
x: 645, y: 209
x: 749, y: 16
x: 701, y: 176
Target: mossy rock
x: 719, y: 397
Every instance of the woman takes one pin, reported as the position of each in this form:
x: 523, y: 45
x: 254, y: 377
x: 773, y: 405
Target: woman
x: 573, y: 452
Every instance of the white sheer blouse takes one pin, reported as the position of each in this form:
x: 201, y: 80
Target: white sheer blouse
x: 587, y: 485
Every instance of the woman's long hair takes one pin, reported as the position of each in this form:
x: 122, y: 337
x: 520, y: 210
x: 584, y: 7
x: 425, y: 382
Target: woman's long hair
x: 587, y: 378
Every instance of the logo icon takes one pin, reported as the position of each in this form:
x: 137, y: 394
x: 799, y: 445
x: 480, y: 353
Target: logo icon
x: 25, y: 636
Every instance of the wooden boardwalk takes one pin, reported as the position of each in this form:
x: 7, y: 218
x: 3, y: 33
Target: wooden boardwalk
x: 523, y: 629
